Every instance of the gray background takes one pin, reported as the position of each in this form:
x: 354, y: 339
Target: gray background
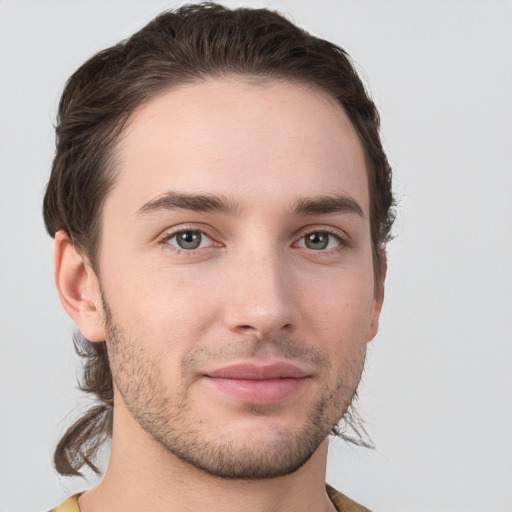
x: 437, y: 391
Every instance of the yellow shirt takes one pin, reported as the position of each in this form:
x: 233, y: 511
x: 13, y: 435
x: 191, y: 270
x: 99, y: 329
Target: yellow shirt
x: 70, y: 505
x: 341, y: 502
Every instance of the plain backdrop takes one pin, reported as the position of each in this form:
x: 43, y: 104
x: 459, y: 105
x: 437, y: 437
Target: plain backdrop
x: 437, y: 390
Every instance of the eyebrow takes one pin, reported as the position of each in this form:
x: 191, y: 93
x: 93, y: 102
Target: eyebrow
x: 324, y: 205
x: 194, y: 202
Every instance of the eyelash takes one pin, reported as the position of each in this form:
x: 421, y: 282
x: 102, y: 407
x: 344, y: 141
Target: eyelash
x: 164, y: 240
x: 342, y: 241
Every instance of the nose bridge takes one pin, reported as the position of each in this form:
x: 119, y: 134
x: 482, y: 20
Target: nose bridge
x: 261, y: 293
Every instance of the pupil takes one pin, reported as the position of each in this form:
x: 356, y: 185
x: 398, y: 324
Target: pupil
x: 189, y: 240
x: 317, y: 241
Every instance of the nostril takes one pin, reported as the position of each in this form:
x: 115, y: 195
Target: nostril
x: 247, y: 327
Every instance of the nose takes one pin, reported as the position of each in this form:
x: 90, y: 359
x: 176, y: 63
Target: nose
x: 261, y: 296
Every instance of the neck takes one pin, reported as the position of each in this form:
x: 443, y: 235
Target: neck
x: 143, y: 475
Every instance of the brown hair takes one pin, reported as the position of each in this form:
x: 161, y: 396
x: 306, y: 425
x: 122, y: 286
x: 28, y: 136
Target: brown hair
x: 177, y: 47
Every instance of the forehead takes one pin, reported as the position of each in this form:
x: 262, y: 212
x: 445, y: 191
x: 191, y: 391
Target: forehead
x: 272, y: 140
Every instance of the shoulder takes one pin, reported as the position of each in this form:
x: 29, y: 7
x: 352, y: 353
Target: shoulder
x: 342, y: 502
x: 70, y: 505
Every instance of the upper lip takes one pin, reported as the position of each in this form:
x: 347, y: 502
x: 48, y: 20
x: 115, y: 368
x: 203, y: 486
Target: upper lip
x: 247, y: 371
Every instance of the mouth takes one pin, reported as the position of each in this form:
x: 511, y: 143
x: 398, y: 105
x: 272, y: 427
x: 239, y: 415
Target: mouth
x: 250, y: 383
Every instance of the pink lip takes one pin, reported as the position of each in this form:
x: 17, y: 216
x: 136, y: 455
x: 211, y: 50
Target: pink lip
x: 258, y: 384
x: 255, y: 372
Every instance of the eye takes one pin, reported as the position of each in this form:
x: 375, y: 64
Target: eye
x: 319, y: 241
x: 189, y: 240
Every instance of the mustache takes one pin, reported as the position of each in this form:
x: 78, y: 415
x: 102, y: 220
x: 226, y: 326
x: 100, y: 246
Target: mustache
x: 287, y: 348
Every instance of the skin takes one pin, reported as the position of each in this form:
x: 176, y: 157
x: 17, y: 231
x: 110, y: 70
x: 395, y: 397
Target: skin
x: 256, y: 291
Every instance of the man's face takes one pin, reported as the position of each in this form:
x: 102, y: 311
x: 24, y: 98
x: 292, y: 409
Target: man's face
x: 236, y: 271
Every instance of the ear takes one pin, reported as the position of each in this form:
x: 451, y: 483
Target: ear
x: 378, y: 297
x: 78, y: 289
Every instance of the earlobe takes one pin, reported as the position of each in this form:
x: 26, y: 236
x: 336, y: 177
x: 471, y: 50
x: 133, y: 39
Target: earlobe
x: 378, y: 299
x: 374, y: 319
x: 78, y: 289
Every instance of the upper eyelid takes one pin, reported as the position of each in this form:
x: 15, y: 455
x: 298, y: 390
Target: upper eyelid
x: 176, y: 233
x: 331, y: 230
x: 170, y: 232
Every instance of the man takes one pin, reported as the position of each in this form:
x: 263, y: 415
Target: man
x: 220, y: 203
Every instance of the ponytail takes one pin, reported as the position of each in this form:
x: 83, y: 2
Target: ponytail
x: 80, y: 443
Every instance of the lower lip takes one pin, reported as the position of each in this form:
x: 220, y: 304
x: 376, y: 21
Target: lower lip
x: 259, y: 391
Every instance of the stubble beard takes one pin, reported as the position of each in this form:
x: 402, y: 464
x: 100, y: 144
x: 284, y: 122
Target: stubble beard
x: 170, y: 420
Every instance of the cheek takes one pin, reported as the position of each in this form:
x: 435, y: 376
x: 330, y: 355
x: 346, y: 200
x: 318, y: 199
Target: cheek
x: 161, y: 305
x: 339, y: 323
x: 342, y: 308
